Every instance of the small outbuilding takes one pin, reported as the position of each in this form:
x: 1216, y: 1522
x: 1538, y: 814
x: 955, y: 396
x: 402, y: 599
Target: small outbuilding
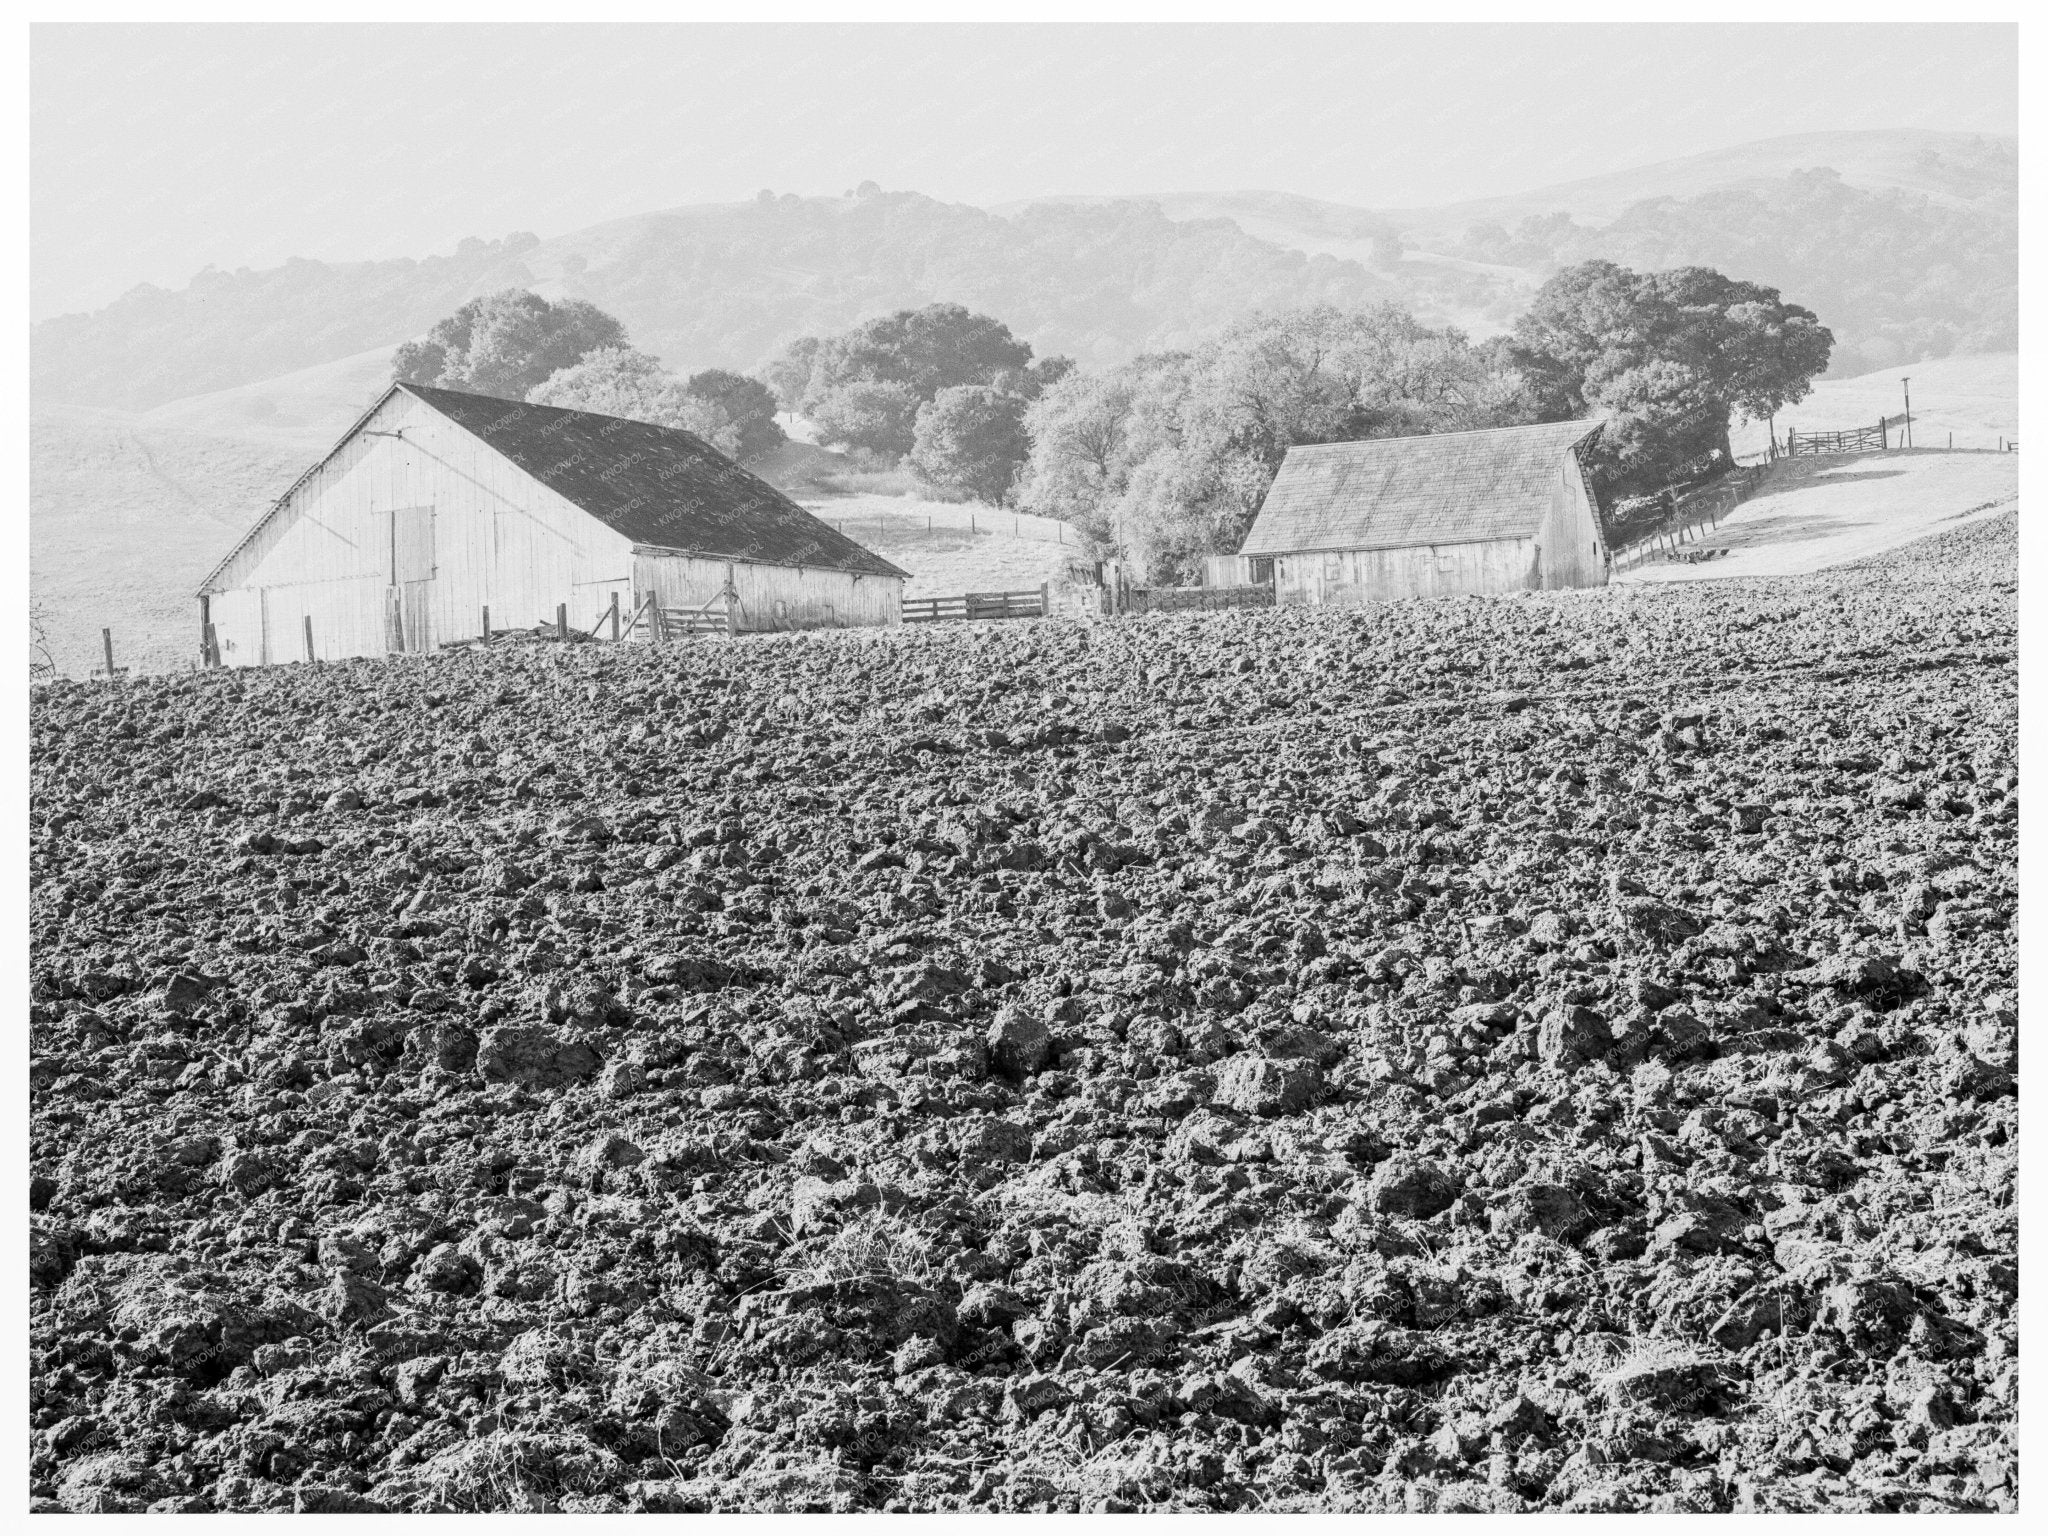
x: 1504, y: 510
x: 437, y: 506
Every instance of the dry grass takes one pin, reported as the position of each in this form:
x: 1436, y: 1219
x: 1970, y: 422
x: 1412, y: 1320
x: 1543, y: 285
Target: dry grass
x: 125, y: 519
x: 1823, y: 512
x: 526, y: 1473
x: 872, y: 1246
x: 1974, y: 396
x: 951, y: 549
x: 1275, y: 1252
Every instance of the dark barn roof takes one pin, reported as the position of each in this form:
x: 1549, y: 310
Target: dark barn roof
x: 658, y: 486
x: 1399, y: 492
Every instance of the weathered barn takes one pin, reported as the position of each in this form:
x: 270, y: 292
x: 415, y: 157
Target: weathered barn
x: 1503, y: 510
x: 438, y: 505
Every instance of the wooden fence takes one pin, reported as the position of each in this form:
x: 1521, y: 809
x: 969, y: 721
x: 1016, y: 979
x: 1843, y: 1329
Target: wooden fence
x: 1682, y: 516
x: 1875, y: 439
x: 1029, y: 604
x: 1196, y: 599
x: 709, y: 620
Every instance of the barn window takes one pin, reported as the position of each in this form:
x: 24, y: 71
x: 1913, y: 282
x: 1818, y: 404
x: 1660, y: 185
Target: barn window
x: 1333, y: 566
x: 1262, y: 570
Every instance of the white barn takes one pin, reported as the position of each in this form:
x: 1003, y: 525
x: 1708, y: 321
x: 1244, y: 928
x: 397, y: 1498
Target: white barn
x: 1506, y: 509
x: 438, y: 505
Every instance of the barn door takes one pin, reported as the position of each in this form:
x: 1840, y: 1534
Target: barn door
x: 408, y: 608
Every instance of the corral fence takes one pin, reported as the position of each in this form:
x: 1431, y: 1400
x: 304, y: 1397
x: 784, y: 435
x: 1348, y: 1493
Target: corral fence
x: 1103, y: 589
x: 1875, y: 439
x: 1661, y: 525
x: 646, y: 619
x: 1189, y: 599
x: 1030, y: 603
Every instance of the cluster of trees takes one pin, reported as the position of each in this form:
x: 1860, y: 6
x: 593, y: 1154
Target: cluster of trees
x: 517, y: 346
x: 733, y: 413
x: 1532, y: 243
x: 1670, y: 358
x: 1167, y: 458
x: 941, y: 387
x: 506, y: 344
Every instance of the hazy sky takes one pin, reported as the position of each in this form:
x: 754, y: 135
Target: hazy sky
x: 156, y: 150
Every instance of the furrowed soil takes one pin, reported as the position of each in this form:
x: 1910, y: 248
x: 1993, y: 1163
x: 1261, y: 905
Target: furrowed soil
x: 1550, y: 1052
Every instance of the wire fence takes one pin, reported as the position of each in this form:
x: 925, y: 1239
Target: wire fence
x: 961, y: 519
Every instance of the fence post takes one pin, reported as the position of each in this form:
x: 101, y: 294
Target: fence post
x: 561, y: 621
x: 615, y: 614
x: 487, y: 623
x: 107, y: 646
x: 309, y: 637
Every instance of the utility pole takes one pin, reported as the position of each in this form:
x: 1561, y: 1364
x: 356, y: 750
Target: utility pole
x: 1907, y: 385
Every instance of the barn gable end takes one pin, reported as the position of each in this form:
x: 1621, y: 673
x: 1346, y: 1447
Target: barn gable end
x: 436, y: 506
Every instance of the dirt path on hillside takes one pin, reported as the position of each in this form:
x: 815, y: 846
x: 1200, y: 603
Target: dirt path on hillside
x: 1827, y: 512
x: 949, y: 548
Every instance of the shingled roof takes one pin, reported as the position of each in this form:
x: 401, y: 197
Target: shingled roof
x: 1398, y: 492
x: 658, y: 486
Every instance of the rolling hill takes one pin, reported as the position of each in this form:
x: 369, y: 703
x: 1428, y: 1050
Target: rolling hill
x: 128, y: 516
x: 1917, y: 250
x: 1976, y: 398
x: 1952, y: 169
x: 307, y: 409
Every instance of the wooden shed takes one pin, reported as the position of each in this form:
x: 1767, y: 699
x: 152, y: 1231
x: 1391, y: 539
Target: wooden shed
x: 438, y: 505
x: 1503, y: 510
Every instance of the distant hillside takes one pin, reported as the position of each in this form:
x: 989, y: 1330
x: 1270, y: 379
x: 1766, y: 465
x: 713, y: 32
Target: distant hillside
x: 1896, y: 275
x: 155, y: 344
x: 1954, y: 169
x: 1920, y: 258
x: 727, y: 285
x: 1100, y: 283
x: 306, y: 410
x: 128, y: 516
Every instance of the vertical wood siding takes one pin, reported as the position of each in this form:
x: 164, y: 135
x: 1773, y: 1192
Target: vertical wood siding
x: 1350, y: 578
x: 771, y: 597
x: 1566, y: 551
x: 1574, y: 552
x: 457, y: 525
